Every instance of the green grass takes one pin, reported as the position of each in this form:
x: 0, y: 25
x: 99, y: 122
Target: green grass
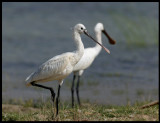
x: 87, y: 112
x: 139, y: 32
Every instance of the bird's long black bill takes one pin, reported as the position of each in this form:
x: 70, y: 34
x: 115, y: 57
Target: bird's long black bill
x: 111, y: 41
x: 97, y: 42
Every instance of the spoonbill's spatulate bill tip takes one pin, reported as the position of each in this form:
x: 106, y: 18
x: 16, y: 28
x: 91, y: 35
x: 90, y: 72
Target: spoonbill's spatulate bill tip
x: 111, y: 41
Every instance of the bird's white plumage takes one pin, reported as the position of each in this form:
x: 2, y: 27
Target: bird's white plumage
x: 89, y: 53
x: 60, y: 66
x: 86, y: 60
x: 54, y: 69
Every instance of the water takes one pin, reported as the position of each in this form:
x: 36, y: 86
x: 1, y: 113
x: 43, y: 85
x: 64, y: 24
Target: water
x: 32, y: 33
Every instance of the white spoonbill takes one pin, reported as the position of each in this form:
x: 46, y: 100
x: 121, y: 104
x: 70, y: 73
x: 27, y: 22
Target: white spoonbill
x: 87, y: 59
x: 60, y: 66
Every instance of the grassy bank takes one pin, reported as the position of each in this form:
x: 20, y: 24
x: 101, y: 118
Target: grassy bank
x: 87, y: 112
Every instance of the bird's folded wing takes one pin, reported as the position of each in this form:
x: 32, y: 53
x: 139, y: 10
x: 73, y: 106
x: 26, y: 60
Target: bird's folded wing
x: 52, y: 67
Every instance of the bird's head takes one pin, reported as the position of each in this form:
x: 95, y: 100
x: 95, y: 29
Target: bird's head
x: 100, y: 28
x: 80, y: 28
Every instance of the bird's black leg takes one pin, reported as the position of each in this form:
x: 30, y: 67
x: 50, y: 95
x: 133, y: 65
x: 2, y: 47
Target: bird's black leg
x: 42, y: 86
x: 72, y: 90
x: 77, y: 90
x: 57, y: 99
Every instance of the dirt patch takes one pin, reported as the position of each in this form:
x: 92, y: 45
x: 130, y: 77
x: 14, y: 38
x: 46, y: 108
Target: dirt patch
x: 17, y: 108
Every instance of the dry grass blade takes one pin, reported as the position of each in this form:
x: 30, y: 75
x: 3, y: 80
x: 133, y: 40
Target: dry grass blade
x: 150, y: 104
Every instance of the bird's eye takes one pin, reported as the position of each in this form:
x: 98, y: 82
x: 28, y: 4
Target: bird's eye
x: 81, y: 28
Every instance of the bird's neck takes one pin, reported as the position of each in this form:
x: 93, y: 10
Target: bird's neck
x: 99, y: 39
x: 79, y: 46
